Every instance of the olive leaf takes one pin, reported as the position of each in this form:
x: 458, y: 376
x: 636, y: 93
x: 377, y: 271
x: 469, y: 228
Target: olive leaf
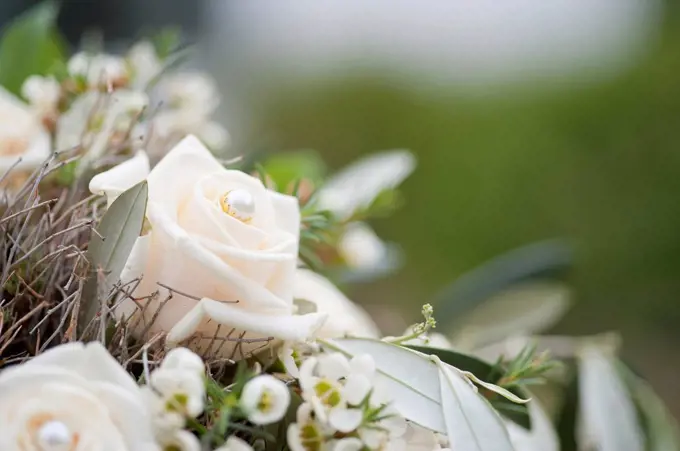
x: 522, y: 291
x: 661, y: 429
x: 606, y: 409
x: 471, y: 423
x: 484, y: 374
x: 110, y: 247
x: 30, y: 45
x: 431, y: 393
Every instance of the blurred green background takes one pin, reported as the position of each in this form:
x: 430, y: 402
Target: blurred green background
x: 598, y: 164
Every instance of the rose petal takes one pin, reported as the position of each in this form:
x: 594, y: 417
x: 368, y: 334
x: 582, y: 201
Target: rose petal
x: 91, y: 361
x: 284, y: 327
x: 122, y: 177
x: 344, y: 316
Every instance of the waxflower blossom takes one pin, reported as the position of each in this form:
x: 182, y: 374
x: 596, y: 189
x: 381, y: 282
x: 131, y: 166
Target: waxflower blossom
x: 340, y: 410
x: 234, y: 443
x: 265, y: 399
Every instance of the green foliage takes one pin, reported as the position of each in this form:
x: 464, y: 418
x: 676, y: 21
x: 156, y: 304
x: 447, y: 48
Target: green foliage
x: 30, y: 45
x: 287, y: 168
x: 110, y: 247
x: 167, y: 41
x: 487, y: 372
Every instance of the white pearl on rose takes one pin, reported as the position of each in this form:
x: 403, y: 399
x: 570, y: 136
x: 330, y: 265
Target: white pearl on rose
x: 53, y: 435
x: 239, y: 203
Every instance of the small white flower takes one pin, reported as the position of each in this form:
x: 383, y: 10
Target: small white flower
x: 265, y: 399
x: 144, y: 63
x: 345, y: 420
x: 234, y: 443
x: 180, y: 440
x: 179, y: 390
x: 42, y: 93
x: 292, y: 353
x: 99, y: 69
x: 348, y: 444
x: 183, y: 359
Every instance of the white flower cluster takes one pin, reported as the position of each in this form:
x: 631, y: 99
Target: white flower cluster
x: 105, y: 102
x: 342, y: 408
x: 176, y: 392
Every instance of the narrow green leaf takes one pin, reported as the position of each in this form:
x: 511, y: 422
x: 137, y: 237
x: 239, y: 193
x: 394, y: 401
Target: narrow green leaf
x: 110, y: 248
x: 522, y: 291
x: 471, y: 423
x: 487, y: 373
x: 30, y: 45
x: 607, y: 411
x: 661, y: 429
x: 541, y: 437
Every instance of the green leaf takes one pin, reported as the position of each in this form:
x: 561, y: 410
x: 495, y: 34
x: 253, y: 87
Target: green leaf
x: 522, y: 291
x: 607, y: 411
x: 471, y: 423
x: 110, y: 248
x: 285, y: 168
x: 167, y: 41
x: 487, y: 372
x: 542, y: 436
x: 30, y: 45
x: 661, y: 429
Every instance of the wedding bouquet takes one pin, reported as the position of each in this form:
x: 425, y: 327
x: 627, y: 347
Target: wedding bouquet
x: 158, y: 297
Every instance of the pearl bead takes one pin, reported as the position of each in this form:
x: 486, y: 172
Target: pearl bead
x: 53, y: 435
x: 239, y: 203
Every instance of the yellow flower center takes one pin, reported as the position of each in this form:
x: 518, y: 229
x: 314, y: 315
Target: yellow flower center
x: 328, y: 393
x: 310, y: 437
x: 266, y: 402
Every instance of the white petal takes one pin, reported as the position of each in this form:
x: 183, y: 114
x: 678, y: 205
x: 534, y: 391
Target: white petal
x: 183, y: 358
x: 234, y: 443
x: 287, y: 209
x: 175, y: 175
x: 348, y: 444
x: 333, y: 366
x: 345, y: 420
x: 344, y: 317
x: 182, y: 441
x: 116, y: 180
x: 356, y: 388
x: 283, y: 327
x: 373, y: 438
x: 91, y: 361
x: 363, y: 364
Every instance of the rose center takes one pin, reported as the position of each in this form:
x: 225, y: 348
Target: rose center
x: 239, y: 204
x: 54, y: 436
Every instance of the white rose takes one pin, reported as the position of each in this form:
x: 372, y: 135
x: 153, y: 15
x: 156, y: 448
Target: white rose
x: 24, y: 142
x: 345, y: 318
x: 216, y: 235
x: 73, y: 396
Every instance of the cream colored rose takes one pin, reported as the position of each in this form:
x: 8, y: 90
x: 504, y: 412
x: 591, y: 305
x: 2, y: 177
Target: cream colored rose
x: 345, y: 318
x: 24, y: 142
x: 216, y: 235
x: 73, y: 397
